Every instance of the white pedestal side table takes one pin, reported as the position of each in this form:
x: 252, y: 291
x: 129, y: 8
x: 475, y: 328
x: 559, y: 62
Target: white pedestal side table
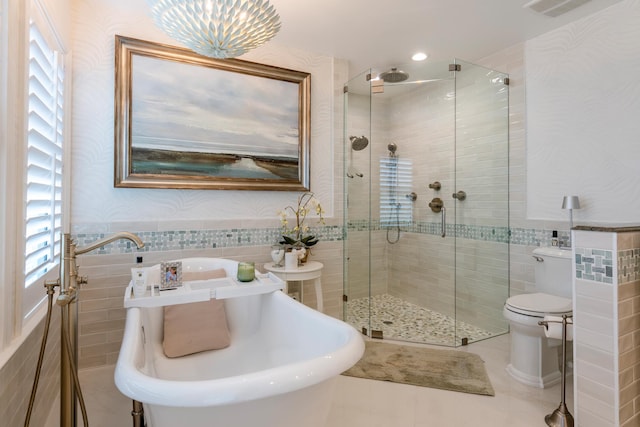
x: 311, y: 270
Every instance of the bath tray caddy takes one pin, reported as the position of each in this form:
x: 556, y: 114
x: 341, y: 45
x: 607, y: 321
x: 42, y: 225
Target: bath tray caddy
x: 203, y: 290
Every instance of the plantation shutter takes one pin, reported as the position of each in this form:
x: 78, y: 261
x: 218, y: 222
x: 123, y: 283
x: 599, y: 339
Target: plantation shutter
x: 43, y: 213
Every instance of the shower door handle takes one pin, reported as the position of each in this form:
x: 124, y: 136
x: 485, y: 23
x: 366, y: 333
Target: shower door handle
x: 460, y: 195
x: 444, y: 221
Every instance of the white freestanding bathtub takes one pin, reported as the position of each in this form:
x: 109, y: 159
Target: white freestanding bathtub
x: 278, y: 371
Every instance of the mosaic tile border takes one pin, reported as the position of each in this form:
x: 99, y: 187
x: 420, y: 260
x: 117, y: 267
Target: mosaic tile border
x: 628, y: 265
x: 594, y: 264
x: 243, y: 237
x: 516, y: 236
x: 158, y: 241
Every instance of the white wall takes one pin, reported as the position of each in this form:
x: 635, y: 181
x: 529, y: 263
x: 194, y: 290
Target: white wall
x: 583, y: 105
x: 98, y: 207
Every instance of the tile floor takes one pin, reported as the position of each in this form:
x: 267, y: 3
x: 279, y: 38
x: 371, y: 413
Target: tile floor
x: 401, y: 320
x: 359, y: 403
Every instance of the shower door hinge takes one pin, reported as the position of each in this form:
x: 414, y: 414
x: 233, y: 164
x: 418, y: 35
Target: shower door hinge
x: 506, y: 81
x: 455, y: 67
x: 368, y: 77
x: 345, y: 89
x: 345, y: 298
x: 364, y: 331
x: 376, y: 334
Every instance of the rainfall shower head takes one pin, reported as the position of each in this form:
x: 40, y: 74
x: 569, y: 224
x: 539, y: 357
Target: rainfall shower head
x: 393, y: 76
x: 392, y: 149
x: 358, y: 143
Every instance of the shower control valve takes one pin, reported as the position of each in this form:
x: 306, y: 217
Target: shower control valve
x: 436, y: 205
x: 435, y: 185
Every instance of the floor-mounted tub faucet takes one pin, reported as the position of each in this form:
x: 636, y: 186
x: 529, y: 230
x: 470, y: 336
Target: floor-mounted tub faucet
x: 69, y: 282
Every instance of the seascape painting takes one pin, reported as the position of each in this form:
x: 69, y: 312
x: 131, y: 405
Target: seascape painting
x: 206, y: 123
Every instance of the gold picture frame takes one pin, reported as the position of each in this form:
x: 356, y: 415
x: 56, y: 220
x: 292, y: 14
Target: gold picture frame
x: 186, y: 121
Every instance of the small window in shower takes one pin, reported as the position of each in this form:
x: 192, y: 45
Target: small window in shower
x: 396, y: 207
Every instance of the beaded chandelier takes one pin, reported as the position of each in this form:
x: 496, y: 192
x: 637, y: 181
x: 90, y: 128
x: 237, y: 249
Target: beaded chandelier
x: 217, y: 28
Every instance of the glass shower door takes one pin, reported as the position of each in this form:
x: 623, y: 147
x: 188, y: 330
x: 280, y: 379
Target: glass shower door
x: 481, y: 198
x: 357, y: 203
x: 420, y: 120
x: 426, y: 203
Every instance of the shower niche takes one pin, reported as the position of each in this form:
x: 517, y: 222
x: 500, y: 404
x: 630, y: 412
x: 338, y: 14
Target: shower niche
x: 426, y: 248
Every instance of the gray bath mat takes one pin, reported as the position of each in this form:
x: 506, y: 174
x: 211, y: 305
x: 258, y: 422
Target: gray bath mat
x: 425, y: 367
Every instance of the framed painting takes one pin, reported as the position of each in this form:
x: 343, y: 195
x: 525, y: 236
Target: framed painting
x: 187, y: 121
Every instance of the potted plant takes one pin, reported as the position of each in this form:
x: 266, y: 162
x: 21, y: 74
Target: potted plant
x: 298, y: 237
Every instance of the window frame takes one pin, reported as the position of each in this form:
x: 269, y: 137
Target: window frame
x: 14, y: 44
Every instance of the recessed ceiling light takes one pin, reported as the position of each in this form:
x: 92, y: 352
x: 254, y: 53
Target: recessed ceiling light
x: 420, y: 56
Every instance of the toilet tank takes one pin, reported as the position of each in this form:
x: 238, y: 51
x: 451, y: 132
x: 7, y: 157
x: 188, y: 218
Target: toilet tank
x: 553, y: 271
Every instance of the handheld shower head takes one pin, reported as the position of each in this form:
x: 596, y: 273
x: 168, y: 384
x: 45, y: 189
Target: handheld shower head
x: 358, y: 143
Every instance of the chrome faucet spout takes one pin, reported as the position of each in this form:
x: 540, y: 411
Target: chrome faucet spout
x: 121, y: 235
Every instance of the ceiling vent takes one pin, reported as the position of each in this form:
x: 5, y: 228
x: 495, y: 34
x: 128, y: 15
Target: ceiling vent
x: 554, y: 7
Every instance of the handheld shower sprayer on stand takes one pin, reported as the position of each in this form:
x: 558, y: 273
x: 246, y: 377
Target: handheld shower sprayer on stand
x: 69, y: 283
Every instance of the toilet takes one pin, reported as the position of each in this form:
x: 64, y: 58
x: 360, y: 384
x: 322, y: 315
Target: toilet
x: 534, y: 357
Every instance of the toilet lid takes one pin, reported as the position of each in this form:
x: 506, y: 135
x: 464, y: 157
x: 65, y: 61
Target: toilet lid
x: 539, y: 304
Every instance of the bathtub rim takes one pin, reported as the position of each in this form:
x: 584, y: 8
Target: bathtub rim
x: 135, y: 384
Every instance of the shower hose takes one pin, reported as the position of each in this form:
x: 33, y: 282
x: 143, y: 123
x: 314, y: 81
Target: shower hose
x: 74, y: 370
x: 397, y: 227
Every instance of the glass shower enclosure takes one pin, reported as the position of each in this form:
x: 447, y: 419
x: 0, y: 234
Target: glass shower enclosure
x: 426, y: 187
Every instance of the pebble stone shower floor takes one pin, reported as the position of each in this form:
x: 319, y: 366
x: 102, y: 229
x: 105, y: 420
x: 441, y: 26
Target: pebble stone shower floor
x: 404, y: 321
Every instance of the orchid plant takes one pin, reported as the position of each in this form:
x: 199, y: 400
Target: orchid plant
x: 297, y: 235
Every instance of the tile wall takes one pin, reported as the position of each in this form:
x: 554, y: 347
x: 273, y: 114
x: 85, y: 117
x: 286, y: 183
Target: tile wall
x: 17, y: 374
x: 629, y: 328
x: 607, y: 328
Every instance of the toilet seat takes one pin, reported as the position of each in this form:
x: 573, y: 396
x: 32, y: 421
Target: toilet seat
x: 539, y: 304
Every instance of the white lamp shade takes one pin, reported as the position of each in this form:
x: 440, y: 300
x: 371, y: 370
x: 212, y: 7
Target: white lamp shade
x: 217, y: 28
x: 570, y: 202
